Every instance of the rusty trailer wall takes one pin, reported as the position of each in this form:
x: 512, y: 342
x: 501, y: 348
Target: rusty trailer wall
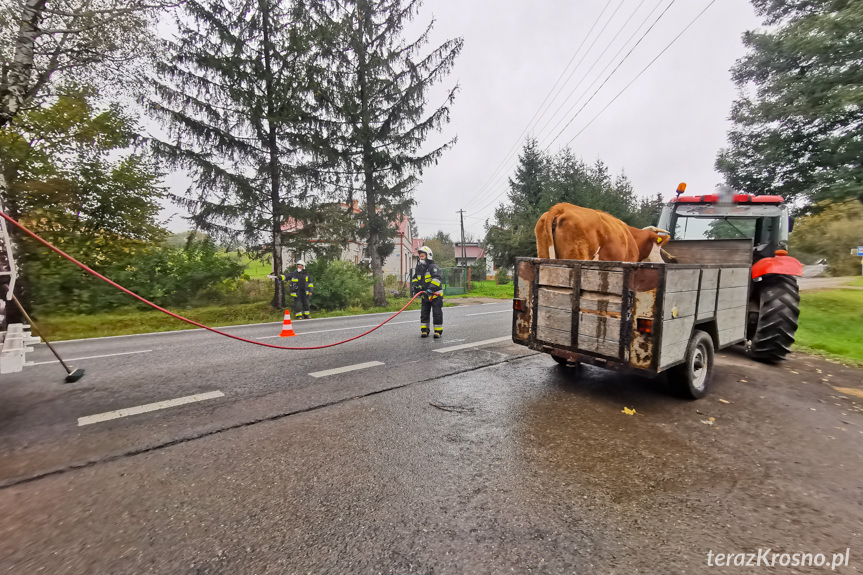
x: 638, y: 315
x: 589, y: 308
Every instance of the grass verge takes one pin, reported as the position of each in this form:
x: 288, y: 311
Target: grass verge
x: 59, y: 328
x: 488, y: 289
x: 831, y: 324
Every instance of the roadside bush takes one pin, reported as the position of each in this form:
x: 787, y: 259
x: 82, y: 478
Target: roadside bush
x: 164, y: 275
x: 477, y: 270
x: 502, y: 276
x: 339, y: 284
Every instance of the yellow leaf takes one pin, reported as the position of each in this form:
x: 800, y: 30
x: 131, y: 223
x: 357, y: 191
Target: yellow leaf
x: 628, y: 411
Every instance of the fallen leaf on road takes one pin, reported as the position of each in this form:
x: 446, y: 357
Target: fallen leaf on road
x: 849, y: 391
x: 723, y: 400
x: 742, y: 380
x: 628, y: 411
x: 707, y: 421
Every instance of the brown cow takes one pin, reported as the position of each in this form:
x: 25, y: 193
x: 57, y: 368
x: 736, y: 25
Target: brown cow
x: 575, y: 233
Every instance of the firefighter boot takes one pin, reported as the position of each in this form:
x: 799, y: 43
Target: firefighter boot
x: 424, y: 332
x: 438, y: 332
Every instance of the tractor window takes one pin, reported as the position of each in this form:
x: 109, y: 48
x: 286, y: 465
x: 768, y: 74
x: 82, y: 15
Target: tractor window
x: 716, y: 228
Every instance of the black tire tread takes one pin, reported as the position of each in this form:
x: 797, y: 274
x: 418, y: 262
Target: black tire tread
x: 777, y: 321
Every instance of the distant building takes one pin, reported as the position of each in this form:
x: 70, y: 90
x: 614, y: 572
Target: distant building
x: 399, y: 263
x: 468, y: 255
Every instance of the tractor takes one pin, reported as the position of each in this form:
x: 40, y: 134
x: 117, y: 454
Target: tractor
x: 774, y: 299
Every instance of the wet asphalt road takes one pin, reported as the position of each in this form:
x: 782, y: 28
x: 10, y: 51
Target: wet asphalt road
x: 489, y: 459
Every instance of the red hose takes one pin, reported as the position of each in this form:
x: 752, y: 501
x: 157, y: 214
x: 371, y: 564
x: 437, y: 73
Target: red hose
x: 187, y: 320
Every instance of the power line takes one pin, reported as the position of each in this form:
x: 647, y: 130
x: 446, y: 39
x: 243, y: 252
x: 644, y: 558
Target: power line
x: 584, y: 76
x: 642, y: 71
x: 530, y: 122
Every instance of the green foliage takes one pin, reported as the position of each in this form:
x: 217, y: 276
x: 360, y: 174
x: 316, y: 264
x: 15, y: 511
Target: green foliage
x: 502, y: 277
x: 797, y: 133
x: 477, y: 270
x: 444, y: 254
x: 374, y: 106
x: 831, y: 233
x: 166, y: 276
x: 338, y: 284
x: 542, y: 181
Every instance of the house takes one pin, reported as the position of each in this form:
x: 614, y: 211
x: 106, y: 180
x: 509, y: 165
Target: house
x: 399, y: 263
x: 468, y: 256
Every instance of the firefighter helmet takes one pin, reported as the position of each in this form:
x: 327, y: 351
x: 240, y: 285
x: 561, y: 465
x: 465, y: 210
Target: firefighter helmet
x: 428, y: 252
x: 301, y: 263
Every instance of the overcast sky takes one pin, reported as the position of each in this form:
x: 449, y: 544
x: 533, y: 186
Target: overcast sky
x: 665, y: 128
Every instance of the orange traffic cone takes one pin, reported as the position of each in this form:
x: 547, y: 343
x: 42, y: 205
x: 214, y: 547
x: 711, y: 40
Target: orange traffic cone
x: 287, y: 330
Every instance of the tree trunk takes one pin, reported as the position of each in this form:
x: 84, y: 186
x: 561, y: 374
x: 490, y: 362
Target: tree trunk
x: 16, y: 84
x: 376, y: 261
x: 273, y: 148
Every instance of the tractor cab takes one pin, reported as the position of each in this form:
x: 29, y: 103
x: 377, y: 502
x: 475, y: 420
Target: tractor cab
x: 773, y: 297
x: 763, y: 219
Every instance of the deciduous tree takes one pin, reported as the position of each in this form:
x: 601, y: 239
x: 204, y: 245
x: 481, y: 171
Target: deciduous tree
x: 798, y: 122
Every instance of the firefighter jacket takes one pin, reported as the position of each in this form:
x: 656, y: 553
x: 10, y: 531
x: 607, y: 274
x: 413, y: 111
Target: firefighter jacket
x: 299, y: 282
x: 427, y: 277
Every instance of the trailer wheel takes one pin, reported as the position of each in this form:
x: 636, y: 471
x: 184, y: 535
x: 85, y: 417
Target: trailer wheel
x: 773, y: 332
x: 563, y: 362
x: 691, y: 378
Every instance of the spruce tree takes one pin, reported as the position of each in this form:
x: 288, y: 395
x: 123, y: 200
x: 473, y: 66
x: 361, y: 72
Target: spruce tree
x: 375, y: 98
x: 235, y: 98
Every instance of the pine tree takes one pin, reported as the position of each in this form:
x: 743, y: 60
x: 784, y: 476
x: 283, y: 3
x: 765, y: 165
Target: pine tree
x: 798, y: 133
x: 235, y: 97
x: 375, y: 97
x: 512, y: 234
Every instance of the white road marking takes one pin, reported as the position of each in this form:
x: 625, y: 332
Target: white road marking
x: 108, y: 415
x: 346, y: 368
x: 488, y: 312
x: 91, y: 357
x: 474, y: 344
x: 338, y: 328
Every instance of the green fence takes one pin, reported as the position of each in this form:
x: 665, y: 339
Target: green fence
x: 454, y: 281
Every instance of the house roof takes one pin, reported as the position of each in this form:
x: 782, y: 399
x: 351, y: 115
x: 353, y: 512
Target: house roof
x: 470, y: 250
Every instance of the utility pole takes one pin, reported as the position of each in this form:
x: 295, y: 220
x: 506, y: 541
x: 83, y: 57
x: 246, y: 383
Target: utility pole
x: 463, y: 249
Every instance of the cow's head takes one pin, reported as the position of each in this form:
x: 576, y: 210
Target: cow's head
x: 651, y: 250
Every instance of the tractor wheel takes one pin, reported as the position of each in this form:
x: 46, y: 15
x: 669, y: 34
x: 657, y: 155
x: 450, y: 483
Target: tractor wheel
x: 773, y: 333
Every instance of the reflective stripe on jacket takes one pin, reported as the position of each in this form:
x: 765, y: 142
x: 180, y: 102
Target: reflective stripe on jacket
x: 427, y: 275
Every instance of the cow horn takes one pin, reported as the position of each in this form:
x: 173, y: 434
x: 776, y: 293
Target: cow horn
x: 657, y: 230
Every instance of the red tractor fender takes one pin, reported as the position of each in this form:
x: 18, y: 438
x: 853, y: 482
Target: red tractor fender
x: 780, y: 265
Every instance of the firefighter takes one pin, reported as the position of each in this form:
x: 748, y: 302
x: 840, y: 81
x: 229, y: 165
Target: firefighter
x: 427, y: 279
x: 301, y: 287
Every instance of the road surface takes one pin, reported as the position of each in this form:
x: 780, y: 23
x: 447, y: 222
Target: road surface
x: 430, y: 457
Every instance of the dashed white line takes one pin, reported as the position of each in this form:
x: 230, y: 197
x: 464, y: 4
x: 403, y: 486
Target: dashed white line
x: 92, y: 357
x: 108, y: 415
x: 346, y: 368
x: 488, y: 312
x: 474, y: 344
x: 339, y: 328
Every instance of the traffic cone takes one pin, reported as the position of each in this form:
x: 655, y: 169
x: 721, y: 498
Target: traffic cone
x: 287, y: 330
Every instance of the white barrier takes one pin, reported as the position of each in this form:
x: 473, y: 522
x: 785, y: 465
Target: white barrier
x: 15, y: 342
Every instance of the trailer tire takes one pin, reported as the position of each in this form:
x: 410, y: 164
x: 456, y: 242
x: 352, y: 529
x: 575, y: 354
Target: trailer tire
x: 691, y: 378
x: 563, y: 362
x: 773, y: 332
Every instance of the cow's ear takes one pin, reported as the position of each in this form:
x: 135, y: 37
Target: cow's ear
x: 661, y: 239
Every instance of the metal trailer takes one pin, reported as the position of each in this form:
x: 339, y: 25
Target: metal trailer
x: 644, y: 318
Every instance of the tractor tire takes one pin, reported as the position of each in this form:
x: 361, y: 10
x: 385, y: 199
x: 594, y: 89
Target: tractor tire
x: 773, y: 332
